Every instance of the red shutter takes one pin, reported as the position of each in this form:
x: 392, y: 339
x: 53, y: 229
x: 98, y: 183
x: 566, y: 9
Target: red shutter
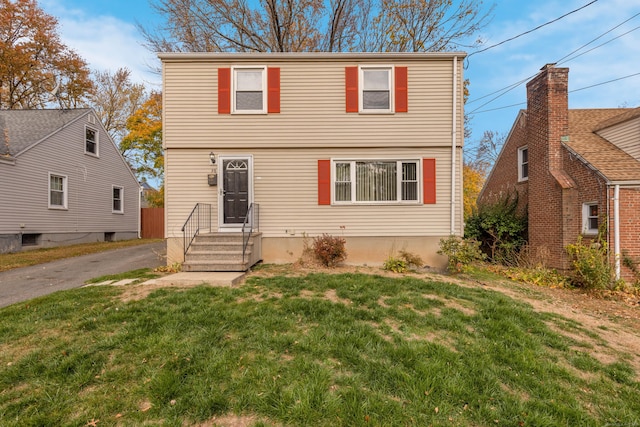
x: 273, y: 90
x: 224, y: 90
x: 324, y: 182
x: 402, y: 94
x: 429, y: 180
x: 351, y: 89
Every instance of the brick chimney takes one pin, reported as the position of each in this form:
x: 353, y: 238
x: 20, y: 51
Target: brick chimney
x: 547, y: 124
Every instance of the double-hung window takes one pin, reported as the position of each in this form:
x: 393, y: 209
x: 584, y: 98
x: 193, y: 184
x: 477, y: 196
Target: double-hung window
x: 375, y: 89
x: 376, y: 181
x: 590, y: 218
x: 90, y: 141
x: 523, y: 164
x: 117, y: 199
x: 57, y: 191
x: 249, y: 95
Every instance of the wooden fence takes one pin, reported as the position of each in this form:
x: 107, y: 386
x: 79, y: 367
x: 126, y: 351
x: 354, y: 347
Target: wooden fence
x: 152, y: 223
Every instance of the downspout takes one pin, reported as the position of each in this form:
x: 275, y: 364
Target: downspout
x: 616, y: 228
x: 453, y: 146
x: 140, y: 190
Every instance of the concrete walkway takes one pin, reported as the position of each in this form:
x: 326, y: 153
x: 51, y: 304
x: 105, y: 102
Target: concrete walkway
x: 185, y: 279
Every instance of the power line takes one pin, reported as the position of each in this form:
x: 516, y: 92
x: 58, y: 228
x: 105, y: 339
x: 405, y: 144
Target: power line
x: 571, y: 91
x: 530, y: 31
x: 562, y: 60
x: 559, y: 61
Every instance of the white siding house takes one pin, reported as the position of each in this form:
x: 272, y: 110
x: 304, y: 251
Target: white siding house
x: 64, y: 181
x: 363, y: 146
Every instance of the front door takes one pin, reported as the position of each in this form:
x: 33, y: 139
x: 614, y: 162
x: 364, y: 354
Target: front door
x: 235, y: 190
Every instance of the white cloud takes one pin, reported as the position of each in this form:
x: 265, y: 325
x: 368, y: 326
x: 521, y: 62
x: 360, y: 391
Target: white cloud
x: 105, y: 42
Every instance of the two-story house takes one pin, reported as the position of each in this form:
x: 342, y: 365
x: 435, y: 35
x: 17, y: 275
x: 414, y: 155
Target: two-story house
x: 365, y: 146
x: 577, y: 172
x: 64, y: 181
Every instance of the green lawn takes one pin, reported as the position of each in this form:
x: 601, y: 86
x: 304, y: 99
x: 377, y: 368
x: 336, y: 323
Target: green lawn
x: 318, y: 350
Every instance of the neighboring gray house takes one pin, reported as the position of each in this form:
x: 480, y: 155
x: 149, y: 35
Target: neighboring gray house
x: 64, y: 181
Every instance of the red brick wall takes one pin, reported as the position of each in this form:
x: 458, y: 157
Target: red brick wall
x: 629, y: 226
x: 547, y: 123
x: 504, y: 175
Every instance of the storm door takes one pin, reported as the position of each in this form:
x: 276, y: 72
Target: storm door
x: 235, y: 190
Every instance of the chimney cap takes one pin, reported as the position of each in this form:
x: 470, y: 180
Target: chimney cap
x: 547, y: 66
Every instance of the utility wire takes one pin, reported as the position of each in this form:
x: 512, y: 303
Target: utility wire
x: 530, y: 31
x: 571, y: 91
x: 562, y: 60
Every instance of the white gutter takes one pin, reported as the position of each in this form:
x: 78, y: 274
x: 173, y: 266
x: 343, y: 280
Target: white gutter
x: 453, y: 146
x: 616, y: 228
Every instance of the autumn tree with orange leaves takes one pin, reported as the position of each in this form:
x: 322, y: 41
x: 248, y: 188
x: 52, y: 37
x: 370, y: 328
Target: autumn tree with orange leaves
x: 142, y: 146
x: 36, y: 68
x: 315, y: 25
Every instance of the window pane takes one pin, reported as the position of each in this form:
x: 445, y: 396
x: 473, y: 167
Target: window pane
x: 375, y: 100
x: 409, y: 181
x: 593, y: 223
x: 593, y: 210
x: 525, y: 155
x: 343, y: 182
x: 249, y: 80
x: 525, y: 170
x: 90, y: 137
x: 375, y: 80
x: 249, y: 101
x: 376, y: 181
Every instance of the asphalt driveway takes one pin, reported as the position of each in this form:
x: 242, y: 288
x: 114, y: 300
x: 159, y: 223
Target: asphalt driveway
x: 22, y: 284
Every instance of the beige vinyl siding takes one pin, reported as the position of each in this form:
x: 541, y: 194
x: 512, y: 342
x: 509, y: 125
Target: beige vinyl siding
x: 89, y: 187
x: 286, y: 188
x: 625, y: 135
x: 312, y: 108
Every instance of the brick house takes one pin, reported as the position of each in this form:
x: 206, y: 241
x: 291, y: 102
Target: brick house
x: 576, y: 171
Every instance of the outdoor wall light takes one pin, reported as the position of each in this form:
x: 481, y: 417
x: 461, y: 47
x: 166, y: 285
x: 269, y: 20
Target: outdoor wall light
x: 212, y: 158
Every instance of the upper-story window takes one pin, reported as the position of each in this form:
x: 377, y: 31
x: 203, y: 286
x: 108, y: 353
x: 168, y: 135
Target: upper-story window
x: 590, y: 218
x: 249, y: 90
x: 91, y: 141
x: 523, y: 164
x: 57, y: 191
x: 375, y: 89
x: 118, y: 206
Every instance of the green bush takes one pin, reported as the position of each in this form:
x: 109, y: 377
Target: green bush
x: 329, y: 250
x: 396, y: 265
x: 590, y: 264
x: 403, y: 262
x: 461, y: 253
x: 500, y: 229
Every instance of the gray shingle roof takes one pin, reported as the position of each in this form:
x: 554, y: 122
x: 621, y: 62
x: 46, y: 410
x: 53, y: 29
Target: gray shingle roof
x: 19, y: 129
x: 611, y: 161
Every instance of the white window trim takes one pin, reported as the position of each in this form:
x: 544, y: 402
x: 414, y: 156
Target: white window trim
x: 585, y: 219
x: 234, y: 110
x: 520, y: 164
x: 121, y: 211
x: 65, y: 192
x: 391, y: 70
x: 352, y: 171
x: 89, y: 153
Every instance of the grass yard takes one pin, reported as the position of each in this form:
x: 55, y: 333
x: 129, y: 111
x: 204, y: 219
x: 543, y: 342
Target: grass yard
x: 315, y: 350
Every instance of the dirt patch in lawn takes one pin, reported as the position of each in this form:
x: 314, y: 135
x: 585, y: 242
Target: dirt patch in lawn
x: 613, y: 318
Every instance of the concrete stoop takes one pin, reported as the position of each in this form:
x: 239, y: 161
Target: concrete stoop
x: 220, y: 252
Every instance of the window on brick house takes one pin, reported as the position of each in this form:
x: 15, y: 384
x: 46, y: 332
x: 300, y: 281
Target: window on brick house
x: 523, y: 164
x: 590, y: 218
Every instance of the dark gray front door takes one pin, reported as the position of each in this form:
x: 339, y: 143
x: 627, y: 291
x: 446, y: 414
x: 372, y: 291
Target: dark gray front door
x: 236, y: 190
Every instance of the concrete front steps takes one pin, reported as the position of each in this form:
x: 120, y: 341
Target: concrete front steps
x: 222, y: 252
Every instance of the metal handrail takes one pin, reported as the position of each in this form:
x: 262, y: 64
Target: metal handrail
x: 252, y: 219
x: 196, y: 222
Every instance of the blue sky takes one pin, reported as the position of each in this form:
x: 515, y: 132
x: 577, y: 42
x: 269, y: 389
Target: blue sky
x: 104, y: 33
